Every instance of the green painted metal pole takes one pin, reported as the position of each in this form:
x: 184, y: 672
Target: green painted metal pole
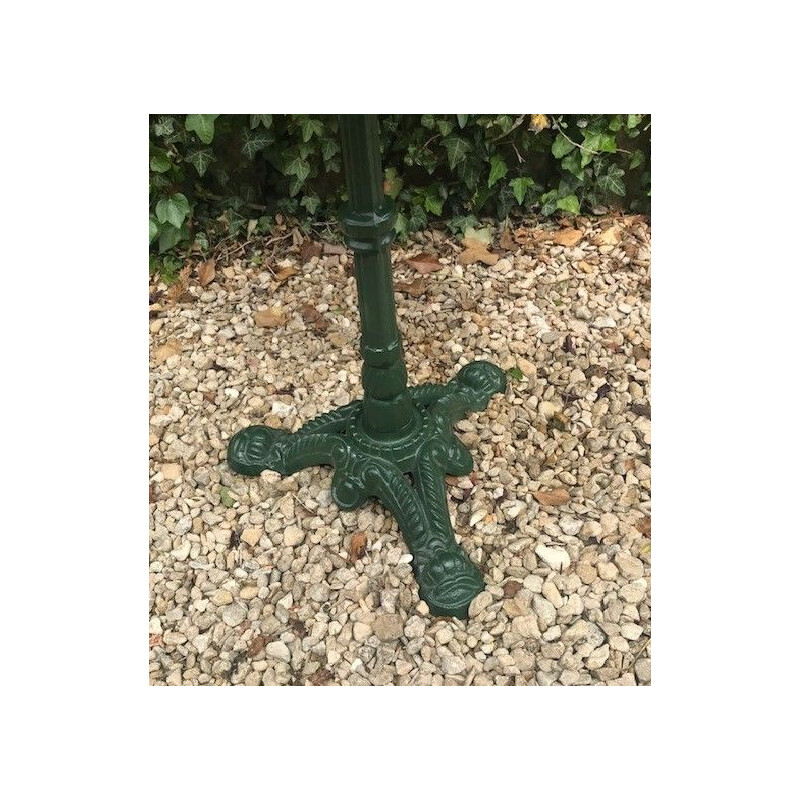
x: 368, y: 218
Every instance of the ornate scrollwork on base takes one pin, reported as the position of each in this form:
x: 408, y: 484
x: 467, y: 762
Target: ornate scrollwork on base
x: 366, y: 467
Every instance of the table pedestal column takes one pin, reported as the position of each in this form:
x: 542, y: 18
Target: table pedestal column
x: 396, y: 444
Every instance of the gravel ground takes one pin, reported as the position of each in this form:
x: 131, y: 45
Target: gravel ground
x: 257, y: 580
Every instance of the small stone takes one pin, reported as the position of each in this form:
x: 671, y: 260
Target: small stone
x: 634, y: 592
x: 453, y: 665
x: 569, y: 677
x: 388, y: 627
x: 618, y: 643
x: 642, y: 670
x: 480, y: 603
x: 598, y: 657
x: 604, y: 322
x: 609, y: 524
x: 171, y: 472
x: 293, y: 536
x: 570, y: 526
x: 551, y: 634
x: 607, y: 570
x: 555, y: 557
x: 181, y: 553
x: 586, y: 572
x: 361, y: 631
x: 631, y: 631
x: 173, y: 638
x: 415, y: 627
x: 591, y: 530
x: 527, y: 368
x: 584, y: 631
x: 548, y: 337
x: 234, y: 615
x: 630, y: 567
x: 526, y: 626
x: 155, y: 625
x: 550, y: 591
x: 222, y: 597
x: 444, y: 636
x: 248, y: 592
x: 545, y: 611
x: 252, y: 536
x: 278, y: 650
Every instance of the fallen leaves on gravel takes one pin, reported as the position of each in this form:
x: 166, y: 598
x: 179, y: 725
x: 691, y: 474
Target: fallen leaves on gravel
x: 507, y: 240
x: 416, y: 288
x: 321, y: 677
x: 643, y: 526
x: 358, y: 546
x: 566, y: 237
x: 170, y: 348
x: 256, y: 646
x: 475, y: 251
x: 610, y: 235
x: 554, y: 497
x: 269, y: 318
x: 313, y: 317
x: 511, y: 588
x: 309, y: 250
x: 206, y: 271
x: 424, y: 263
x: 285, y: 274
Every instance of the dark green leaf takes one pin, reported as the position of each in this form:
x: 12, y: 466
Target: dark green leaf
x: 311, y: 127
x: 200, y: 160
x: 173, y: 209
x: 611, y: 182
x: 202, y: 125
x: 260, y: 119
x: 427, y: 121
x: 498, y: 169
x: 520, y: 188
x: 570, y: 204
x: 516, y: 373
x: 637, y: 159
x: 164, y: 127
x: 445, y: 126
x: 433, y: 204
x: 310, y: 202
x: 253, y: 144
x: 153, y: 230
x: 633, y: 120
x: 159, y: 161
x: 168, y: 237
x: 457, y: 149
x: 462, y: 119
x: 561, y: 146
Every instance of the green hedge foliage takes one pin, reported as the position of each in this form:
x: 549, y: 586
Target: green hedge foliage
x: 449, y: 167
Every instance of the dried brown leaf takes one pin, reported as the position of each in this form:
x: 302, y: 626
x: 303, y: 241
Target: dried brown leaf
x: 309, y: 250
x: 333, y: 249
x: 610, y: 235
x: 553, y: 497
x: 206, y: 271
x: 566, y: 237
x: 424, y: 263
x: 321, y: 677
x: 358, y: 546
x: 416, y: 288
x: 511, y: 588
x: 256, y: 646
x: 155, y: 640
x: 643, y: 526
x: 162, y: 353
x: 507, y: 240
x: 475, y: 251
x: 314, y: 318
x: 538, y: 122
x: 269, y: 318
x: 285, y: 274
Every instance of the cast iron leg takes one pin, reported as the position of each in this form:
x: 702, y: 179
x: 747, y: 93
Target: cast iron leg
x: 396, y: 444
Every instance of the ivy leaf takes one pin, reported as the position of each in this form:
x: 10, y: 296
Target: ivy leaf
x: 298, y: 167
x: 549, y: 200
x: 445, y: 126
x: 457, y: 149
x: 462, y: 119
x: 329, y: 147
x: 561, y: 146
x: 607, y: 143
x: 633, y: 120
x: 433, y: 203
x: 637, y: 159
x: 392, y: 182
x: 498, y: 169
x: 427, y: 121
x: 153, y: 230
x: 311, y: 127
x: 202, y: 125
x: 611, y: 182
x: 516, y: 373
x: 520, y: 188
x: 159, y: 161
x: 253, y: 144
x: 570, y: 204
x: 260, y: 119
x: 572, y: 163
x: 172, y: 209
x: 168, y: 238
x: 311, y: 203
x: 164, y: 126
x: 200, y: 160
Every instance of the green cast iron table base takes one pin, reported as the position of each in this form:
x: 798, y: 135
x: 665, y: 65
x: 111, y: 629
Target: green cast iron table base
x: 405, y: 472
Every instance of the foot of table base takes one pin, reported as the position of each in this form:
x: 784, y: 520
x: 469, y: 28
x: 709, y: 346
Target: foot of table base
x: 405, y: 472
